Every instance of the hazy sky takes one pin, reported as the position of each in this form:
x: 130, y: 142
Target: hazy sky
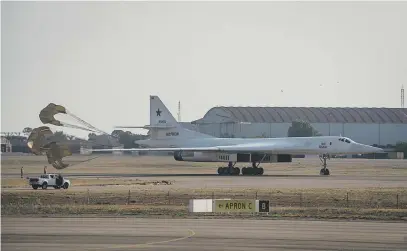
x: 102, y: 60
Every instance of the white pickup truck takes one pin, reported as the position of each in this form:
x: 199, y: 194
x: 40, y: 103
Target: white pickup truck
x: 49, y: 180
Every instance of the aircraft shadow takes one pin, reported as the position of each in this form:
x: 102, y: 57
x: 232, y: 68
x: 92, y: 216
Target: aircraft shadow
x: 187, y: 175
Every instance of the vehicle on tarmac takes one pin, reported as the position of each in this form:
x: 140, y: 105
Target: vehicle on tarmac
x: 49, y: 180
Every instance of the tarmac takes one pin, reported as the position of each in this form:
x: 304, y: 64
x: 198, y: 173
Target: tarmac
x: 198, y: 234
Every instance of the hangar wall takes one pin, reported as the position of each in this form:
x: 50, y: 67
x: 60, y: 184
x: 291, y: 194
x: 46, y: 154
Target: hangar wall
x: 381, y: 126
x: 380, y: 134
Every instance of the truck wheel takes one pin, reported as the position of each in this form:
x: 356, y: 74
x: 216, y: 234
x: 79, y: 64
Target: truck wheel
x: 66, y: 185
x: 44, y: 185
x: 35, y: 187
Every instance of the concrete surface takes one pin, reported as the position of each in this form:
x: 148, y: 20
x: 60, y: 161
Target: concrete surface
x: 187, y: 234
x: 242, y: 182
x: 301, y: 173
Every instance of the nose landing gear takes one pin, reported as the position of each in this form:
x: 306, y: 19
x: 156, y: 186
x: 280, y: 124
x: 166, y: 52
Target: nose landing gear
x: 324, y: 170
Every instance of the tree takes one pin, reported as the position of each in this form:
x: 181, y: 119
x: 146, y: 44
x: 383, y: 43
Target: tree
x: 91, y: 136
x: 301, y: 128
x: 60, y: 136
x: 116, y: 133
x: 70, y: 137
x: 127, y: 138
x: 27, y: 130
x: 402, y: 147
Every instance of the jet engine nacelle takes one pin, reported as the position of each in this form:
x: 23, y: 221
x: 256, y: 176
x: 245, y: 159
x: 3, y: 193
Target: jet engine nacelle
x: 235, y: 157
x: 195, y: 156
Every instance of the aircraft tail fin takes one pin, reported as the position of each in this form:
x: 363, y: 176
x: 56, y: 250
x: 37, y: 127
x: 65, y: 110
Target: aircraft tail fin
x: 163, y: 124
x: 160, y: 116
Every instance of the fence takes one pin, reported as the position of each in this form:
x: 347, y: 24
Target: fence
x: 336, y: 199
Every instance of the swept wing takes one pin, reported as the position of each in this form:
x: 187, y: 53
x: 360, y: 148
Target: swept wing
x: 246, y: 148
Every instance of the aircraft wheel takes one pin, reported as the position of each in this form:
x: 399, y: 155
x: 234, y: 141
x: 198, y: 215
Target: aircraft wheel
x: 324, y: 171
x: 256, y: 171
x: 244, y: 171
x: 237, y: 171
x: 252, y: 171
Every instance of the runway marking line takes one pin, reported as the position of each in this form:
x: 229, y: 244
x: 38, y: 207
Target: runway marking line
x: 191, y: 233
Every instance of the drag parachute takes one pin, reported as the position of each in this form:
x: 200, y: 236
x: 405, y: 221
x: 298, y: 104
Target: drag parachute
x: 47, y: 114
x: 47, y: 117
x: 56, y: 153
x: 42, y: 141
x: 39, y: 139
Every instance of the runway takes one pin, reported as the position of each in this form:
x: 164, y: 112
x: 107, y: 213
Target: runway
x: 301, y: 173
x: 238, y: 182
x: 204, y: 234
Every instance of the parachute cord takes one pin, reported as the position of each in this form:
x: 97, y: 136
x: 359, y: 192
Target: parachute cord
x: 85, y: 123
x: 85, y: 141
x: 85, y: 161
x: 78, y: 127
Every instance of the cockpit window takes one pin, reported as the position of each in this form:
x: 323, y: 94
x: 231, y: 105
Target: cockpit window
x: 345, y: 140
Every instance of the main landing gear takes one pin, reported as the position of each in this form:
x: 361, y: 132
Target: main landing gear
x: 229, y: 170
x: 251, y: 170
x: 324, y: 170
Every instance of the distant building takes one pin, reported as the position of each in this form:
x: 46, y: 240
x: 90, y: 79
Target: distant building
x: 6, y: 145
x: 380, y: 126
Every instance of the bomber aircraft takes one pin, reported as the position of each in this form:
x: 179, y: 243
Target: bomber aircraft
x: 167, y: 135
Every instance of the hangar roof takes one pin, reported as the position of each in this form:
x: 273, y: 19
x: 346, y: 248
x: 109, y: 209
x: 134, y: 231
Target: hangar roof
x: 311, y: 114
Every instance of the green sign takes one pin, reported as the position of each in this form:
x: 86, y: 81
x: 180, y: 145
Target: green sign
x: 234, y: 206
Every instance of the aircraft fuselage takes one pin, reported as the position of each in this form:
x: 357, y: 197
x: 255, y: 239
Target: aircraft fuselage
x: 297, y: 145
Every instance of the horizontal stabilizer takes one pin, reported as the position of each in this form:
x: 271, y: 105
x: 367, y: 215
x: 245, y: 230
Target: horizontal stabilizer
x: 169, y: 149
x: 148, y: 127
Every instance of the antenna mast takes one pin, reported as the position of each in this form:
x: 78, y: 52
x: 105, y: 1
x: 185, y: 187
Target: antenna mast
x: 179, y: 111
x: 402, y: 96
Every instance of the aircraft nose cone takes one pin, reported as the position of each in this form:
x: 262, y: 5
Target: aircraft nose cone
x: 372, y: 149
x: 368, y: 149
x: 377, y: 149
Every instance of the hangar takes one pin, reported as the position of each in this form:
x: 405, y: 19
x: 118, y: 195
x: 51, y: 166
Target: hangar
x: 6, y: 145
x: 380, y: 126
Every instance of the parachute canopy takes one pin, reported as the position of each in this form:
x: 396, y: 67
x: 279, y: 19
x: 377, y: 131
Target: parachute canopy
x: 47, y: 116
x: 56, y: 153
x: 41, y: 141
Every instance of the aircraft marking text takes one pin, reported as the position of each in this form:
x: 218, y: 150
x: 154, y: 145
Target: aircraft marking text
x: 172, y: 134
